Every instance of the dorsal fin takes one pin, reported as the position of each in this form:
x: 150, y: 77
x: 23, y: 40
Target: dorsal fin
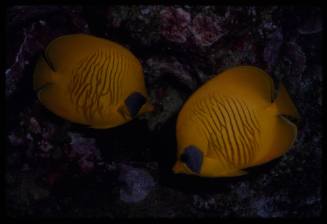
x: 247, y: 82
x: 63, y: 50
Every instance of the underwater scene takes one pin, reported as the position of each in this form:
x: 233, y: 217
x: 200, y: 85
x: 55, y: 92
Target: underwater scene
x: 180, y: 111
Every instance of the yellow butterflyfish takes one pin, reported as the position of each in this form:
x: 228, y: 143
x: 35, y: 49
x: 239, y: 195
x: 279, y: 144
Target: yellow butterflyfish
x: 91, y: 81
x: 232, y: 122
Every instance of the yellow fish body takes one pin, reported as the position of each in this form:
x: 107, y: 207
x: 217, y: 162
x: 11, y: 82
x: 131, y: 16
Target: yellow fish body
x: 91, y: 81
x: 231, y: 123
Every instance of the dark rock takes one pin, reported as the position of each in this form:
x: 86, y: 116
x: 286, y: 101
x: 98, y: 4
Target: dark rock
x: 136, y: 184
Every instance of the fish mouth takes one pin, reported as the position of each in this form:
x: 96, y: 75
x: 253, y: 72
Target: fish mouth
x: 44, y: 86
x: 293, y: 119
x: 178, y: 168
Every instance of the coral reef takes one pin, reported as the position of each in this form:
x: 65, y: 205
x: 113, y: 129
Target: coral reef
x: 206, y: 30
x: 174, y: 24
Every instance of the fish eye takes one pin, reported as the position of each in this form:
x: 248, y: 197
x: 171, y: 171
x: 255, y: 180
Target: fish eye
x: 134, y: 102
x: 193, y: 158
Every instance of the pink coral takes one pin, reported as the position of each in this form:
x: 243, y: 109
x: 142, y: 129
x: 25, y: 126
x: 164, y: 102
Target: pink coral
x: 16, y: 140
x: 34, y: 126
x: 206, y: 30
x: 175, y: 24
x: 85, y: 151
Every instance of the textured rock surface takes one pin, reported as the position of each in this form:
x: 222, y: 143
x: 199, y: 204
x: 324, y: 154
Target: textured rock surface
x: 55, y: 168
x: 136, y: 184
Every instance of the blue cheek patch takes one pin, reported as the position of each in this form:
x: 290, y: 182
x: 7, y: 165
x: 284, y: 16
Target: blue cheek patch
x: 134, y: 102
x: 193, y: 158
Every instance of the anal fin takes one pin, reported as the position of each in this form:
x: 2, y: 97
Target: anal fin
x: 218, y: 168
x: 99, y: 126
x: 236, y: 173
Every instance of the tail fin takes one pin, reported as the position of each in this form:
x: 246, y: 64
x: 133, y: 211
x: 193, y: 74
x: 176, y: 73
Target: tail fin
x: 43, y: 74
x: 284, y: 103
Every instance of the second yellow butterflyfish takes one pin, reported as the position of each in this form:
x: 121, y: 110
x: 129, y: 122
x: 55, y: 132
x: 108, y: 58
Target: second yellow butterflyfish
x: 233, y: 122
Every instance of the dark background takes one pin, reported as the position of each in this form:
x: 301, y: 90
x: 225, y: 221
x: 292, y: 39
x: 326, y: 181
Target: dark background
x: 58, y: 169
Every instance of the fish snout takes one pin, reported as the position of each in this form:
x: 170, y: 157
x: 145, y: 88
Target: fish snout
x: 178, y: 168
x: 149, y: 107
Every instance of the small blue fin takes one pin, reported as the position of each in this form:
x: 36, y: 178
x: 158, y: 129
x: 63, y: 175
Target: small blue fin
x: 193, y: 158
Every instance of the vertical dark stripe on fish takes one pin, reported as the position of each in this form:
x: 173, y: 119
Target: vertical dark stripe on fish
x: 111, y: 67
x: 81, y: 74
x: 230, y: 148
x: 84, y: 75
x: 203, y: 120
x: 245, y: 140
x: 79, y: 96
x: 79, y: 71
x: 90, y: 66
x: 93, y: 77
x: 122, y: 76
x: 113, y: 75
x: 250, y: 132
x: 104, y: 90
x: 232, y: 129
x: 253, y: 122
x: 225, y: 143
x: 239, y: 138
x: 89, y: 80
x: 247, y: 117
x: 116, y: 88
x: 217, y: 128
x: 223, y: 126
